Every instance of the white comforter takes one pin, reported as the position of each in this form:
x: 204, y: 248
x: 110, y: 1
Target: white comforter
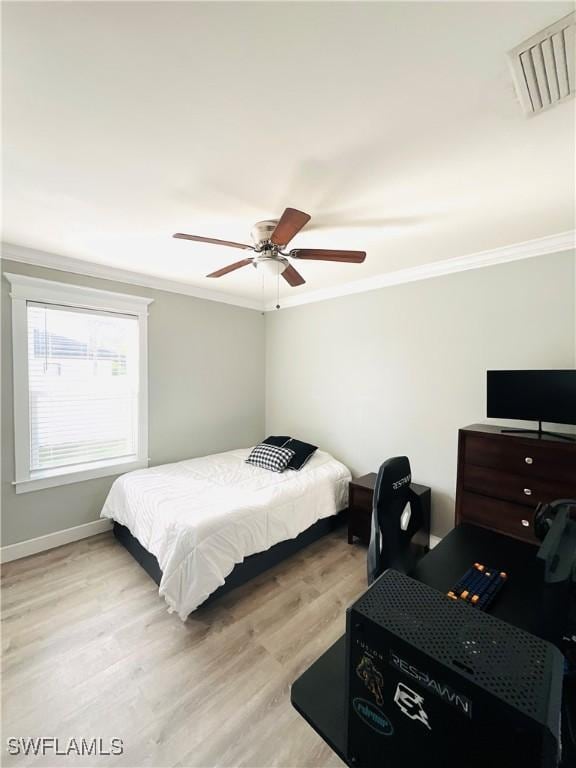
x: 202, y: 516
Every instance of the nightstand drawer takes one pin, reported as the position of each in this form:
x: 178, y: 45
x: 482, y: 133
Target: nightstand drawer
x: 359, y: 522
x: 361, y: 497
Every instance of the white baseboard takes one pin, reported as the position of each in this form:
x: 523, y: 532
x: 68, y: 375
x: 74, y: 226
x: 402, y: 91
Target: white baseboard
x: 51, y: 540
x: 434, y: 540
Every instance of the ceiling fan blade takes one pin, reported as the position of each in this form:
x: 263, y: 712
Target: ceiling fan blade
x: 291, y: 222
x: 292, y: 276
x: 321, y: 254
x: 230, y: 268
x: 212, y: 240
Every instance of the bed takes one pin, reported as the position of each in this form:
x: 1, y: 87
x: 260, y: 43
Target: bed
x: 202, y: 526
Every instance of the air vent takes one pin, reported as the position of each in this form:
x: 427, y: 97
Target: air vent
x: 544, y: 66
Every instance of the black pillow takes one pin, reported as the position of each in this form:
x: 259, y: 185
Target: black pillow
x: 278, y: 440
x: 302, y: 452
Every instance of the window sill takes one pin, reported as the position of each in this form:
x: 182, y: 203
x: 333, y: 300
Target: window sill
x: 53, y: 478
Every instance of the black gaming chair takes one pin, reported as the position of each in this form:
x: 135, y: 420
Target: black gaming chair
x: 389, y: 538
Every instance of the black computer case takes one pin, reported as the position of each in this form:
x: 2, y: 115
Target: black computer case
x: 436, y: 683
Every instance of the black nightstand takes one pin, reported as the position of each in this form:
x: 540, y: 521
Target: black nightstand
x: 360, y: 495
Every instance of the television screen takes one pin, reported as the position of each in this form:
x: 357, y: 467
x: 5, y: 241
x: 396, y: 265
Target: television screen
x: 548, y: 396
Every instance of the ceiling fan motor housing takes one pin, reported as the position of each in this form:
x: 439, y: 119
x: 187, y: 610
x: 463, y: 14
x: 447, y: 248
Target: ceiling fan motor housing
x: 262, y: 231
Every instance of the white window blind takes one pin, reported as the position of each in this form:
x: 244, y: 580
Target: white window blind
x: 83, y: 373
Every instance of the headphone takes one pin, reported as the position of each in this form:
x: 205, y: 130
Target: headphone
x: 545, y: 514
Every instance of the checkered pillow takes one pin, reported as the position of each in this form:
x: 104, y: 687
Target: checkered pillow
x: 271, y: 457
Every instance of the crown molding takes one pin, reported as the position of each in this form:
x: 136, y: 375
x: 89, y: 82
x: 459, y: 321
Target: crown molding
x: 564, y: 241
x: 38, y: 258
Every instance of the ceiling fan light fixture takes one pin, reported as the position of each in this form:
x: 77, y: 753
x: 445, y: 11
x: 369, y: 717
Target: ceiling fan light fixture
x: 272, y: 267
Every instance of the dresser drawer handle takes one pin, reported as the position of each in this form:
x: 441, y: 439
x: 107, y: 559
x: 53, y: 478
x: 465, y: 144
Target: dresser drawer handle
x: 527, y: 492
x: 529, y: 460
x: 526, y: 523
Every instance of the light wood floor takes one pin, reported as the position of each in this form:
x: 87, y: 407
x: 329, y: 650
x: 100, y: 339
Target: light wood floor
x: 90, y: 651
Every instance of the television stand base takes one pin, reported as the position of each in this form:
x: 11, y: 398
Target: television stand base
x: 541, y: 432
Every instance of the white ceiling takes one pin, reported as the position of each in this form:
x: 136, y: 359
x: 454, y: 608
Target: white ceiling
x: 394, y: 124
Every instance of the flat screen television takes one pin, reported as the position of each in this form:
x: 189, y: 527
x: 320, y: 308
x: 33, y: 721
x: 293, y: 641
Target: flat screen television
x: 548, y: 396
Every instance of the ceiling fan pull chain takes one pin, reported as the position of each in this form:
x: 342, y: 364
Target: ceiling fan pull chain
x: 278, y: 291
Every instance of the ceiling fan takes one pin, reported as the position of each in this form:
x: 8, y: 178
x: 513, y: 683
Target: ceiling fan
x: 269, y: 238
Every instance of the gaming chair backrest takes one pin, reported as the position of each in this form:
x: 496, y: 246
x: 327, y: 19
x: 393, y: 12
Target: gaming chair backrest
x: 387, y: 540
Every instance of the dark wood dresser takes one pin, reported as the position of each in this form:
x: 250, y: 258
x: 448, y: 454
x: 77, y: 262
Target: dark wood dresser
x: 503, y: 476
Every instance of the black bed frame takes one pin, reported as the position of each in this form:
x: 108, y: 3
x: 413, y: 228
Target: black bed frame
x: 252, y: 566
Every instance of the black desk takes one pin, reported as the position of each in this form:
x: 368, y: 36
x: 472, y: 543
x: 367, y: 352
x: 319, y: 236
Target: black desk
x: 450, y: 559
x: 319, y: 694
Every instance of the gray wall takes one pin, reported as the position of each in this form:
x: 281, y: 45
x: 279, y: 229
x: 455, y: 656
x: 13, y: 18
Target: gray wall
x: 367, y: 376
x: 206, y: 394
x: 399, y: 370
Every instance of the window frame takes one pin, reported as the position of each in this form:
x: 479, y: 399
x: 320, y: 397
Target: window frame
x: 24, y: 289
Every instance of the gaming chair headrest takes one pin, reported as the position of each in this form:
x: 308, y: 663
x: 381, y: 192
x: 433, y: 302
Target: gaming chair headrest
x: 389, y: 543
x: 393, y: 483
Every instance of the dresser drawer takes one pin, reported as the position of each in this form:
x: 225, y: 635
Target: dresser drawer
x: 505, y: 517
x: 551, y: 460
x: 520, y: 489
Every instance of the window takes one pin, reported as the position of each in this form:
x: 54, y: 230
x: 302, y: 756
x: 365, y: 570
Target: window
x: 80, y: 390
x: 83, y: 386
